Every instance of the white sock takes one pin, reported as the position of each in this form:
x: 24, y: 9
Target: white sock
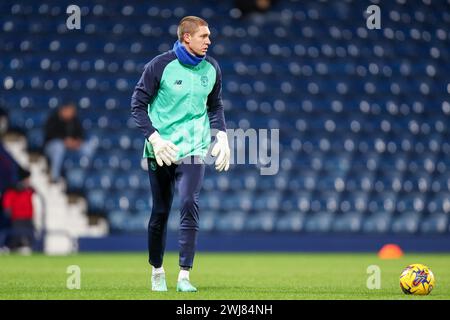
x: 157, y: 270
x: 184, y: 274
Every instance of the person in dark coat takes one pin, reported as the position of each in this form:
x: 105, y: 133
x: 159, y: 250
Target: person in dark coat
x: 63, y: 131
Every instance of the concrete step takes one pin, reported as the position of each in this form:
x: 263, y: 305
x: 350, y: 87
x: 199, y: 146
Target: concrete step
x: 59, y: 243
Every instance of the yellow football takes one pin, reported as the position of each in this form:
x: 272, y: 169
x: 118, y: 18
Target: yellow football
x: 417, y: 279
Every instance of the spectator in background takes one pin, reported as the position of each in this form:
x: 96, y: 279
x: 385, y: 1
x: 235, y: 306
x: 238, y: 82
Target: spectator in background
x: 63, y: 131
x: 252, y: 6
x: 8, y: 170
x: 18, y: 204
x: 3, y: 121
x: 8, y: 178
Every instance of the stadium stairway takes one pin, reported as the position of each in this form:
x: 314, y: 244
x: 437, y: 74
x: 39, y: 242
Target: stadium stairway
x: 59, y: 221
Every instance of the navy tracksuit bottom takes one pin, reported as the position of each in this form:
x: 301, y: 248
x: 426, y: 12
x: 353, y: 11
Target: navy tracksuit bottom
x: 163, y: 181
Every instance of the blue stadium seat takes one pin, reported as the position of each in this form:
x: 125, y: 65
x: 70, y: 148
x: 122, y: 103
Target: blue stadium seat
x: 232, y: 221
x: 96, y: 200
x: 435, y: 224
x: 407, y: 222
x: 261, y: 221
x: 290, y: 222
x: 348, y: 222
x: 319, y: 222
x: 378, y: 222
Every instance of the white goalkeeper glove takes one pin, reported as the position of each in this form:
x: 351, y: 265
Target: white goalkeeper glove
x: 222, y: 151
x: 164, y: 150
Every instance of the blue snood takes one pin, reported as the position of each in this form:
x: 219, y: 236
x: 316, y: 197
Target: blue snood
x: 184, y: 56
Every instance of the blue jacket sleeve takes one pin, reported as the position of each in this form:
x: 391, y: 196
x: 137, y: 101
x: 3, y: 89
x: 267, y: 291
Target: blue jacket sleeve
x: 215, y: 104
x: 143, y: 94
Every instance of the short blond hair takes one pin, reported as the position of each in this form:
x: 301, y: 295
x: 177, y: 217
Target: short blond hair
x: 189, y: 24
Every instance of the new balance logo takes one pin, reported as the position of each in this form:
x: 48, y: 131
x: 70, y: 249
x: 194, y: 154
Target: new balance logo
x: 178, y: 82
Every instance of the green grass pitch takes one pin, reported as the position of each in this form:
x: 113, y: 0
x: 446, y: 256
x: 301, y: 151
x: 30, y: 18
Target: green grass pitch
x: 235, y: 276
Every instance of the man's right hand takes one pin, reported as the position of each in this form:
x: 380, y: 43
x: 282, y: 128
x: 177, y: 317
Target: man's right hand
x: 164, y: 150
x: 72, y: 143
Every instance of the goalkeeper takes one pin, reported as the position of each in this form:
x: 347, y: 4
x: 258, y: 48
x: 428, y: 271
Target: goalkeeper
x: 176, y: 102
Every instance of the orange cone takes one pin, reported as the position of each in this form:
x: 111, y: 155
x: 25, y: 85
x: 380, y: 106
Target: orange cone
x: 390, y: 251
